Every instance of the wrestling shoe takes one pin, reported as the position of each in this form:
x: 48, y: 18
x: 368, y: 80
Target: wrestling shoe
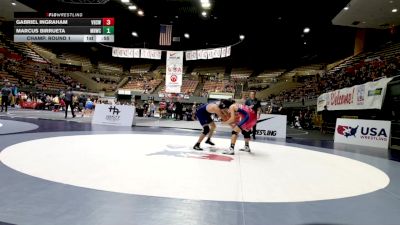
x: 245, y: 149
x: 197, y: 148
x: 209, y: 142
x: 231, y: 151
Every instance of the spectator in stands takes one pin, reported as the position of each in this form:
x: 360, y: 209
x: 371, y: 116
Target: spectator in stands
x: 162, y: 108
x: 49, y: 102
x: 178, y: 110
x: 152, y: 109
x: 82, y: 102
x: 254, y: 104
x: 170, y: 109
x: 325, y: 119
x: 62, y: 104
x: 5, y: 96
x: 194, y: 109
x: 75, y: 103
x: 69, y: 95
x: 145, y: 108
x: 89, y: 106
x: 14, y: 95
x: 56, y: 103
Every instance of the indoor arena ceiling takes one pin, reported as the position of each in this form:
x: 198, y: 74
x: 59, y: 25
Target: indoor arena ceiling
x: 7, y: 9
x: 273, y: 29
x: 379, y: 14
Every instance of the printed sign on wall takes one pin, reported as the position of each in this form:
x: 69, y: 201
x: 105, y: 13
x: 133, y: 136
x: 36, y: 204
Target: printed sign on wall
x: 270, y: 125
x: 372, y: 133
x: 116, y: 115
x: 365, y: 96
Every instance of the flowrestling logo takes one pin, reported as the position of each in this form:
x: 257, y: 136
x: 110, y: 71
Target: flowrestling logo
x: 367, y: 133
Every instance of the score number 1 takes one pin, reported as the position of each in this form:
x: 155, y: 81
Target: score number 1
x: 108, y: 26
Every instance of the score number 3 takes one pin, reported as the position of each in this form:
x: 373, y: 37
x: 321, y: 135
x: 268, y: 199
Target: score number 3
x: 108, y: 21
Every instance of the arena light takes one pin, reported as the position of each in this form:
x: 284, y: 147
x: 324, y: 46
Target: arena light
x: 132, y: 7
x: 140, y: 13
x: 394, y: 10
x: 204, y: 13
x: 125, y: 1
x: 186, y: 35
x: 346, y: 8
x: 306, y: 30
x: 242, y: 37
x: 13, y: 3
x: 206, y: 5
x: 135, y: 34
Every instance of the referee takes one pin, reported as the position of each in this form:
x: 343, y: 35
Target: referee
x: 256, y: 106
x: 5, y: 96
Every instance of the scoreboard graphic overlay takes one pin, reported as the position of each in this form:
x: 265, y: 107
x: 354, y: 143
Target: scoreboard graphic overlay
x: 62, y: 27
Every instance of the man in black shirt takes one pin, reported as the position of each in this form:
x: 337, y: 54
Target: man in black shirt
x: 256, y: 106
x: 325, y: 120
x: 5, y: 96
x: 69, y: 102
x: 178, y: 110
x: 145, y: 108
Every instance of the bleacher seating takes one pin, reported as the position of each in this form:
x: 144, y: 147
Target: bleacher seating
x: 188, y: 87
x: 209, y: 70
x: 35, y: 75
x: 386, y: 51
x: 140, y: 69
x: 142, y: 85
x: 271, y: 74
x: 218, y: 86
x: 240, y: 73
x: 311, y: 69
x: 355, y: 70
x: 112, y: 68
x: 21, y: 49
x: 29, y: 53
x: 5, y: 77
x: 84, y: 61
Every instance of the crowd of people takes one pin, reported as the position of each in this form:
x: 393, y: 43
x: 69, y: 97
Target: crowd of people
x: 171, y: 109
x: 11, y: 96
x: 42, y: 74
x: 358, y: 73
x: 104, y: 80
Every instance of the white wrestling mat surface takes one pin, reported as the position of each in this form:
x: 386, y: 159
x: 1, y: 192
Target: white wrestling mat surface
x: 165, y: 166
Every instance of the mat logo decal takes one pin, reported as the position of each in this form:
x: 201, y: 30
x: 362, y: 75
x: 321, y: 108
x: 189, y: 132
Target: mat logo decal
x: 193, y: 155
x: 347, y: 131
